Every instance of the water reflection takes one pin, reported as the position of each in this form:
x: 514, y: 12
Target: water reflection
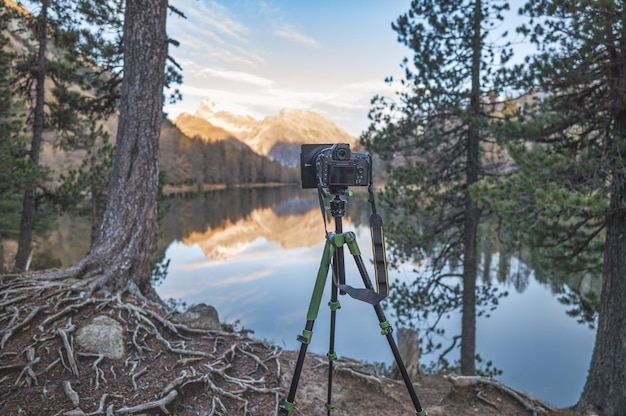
x: 254, y: 255
x: 259, y: 268
x: 224, y: 223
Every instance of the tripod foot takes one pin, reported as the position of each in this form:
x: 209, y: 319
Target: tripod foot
x: 287, y: 409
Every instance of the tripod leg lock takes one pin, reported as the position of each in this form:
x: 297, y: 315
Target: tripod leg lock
x: 385, y: 327
x: 334, y: 305
x: 306, y: 336
x: 332, y: 356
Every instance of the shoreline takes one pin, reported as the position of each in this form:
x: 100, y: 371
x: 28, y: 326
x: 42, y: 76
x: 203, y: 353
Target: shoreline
x: 169, y: 190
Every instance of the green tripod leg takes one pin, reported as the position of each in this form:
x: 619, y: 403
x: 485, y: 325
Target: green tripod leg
x: 386, y: 329
x: 307, y: 333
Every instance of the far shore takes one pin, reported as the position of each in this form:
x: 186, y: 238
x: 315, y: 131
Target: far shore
x: 207, y: 187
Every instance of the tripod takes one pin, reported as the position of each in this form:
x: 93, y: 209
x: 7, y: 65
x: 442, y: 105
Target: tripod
x: 333, y: 249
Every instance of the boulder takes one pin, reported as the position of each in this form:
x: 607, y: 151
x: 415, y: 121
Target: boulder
x: 201, y: 316
x: 103, y: 335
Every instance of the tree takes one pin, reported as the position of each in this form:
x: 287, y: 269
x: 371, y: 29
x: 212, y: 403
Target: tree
x: 15, y: 172
x: 38, y: 70
x: 43, y: 75
x: 570, y: 182
x: 120, y: 259
x: 435, y: 139
x: 90, y: 178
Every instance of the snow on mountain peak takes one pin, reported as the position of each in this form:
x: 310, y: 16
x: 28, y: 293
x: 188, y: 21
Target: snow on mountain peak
x: 238, y: 125
x: 276, y: 136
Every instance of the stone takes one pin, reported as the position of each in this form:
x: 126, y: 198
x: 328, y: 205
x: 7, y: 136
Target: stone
x: 103, y: 335
x: 201, y: 316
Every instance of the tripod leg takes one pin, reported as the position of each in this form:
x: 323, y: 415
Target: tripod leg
x: 385, y: 326
x: 338, y: 270
x: 307, y: 333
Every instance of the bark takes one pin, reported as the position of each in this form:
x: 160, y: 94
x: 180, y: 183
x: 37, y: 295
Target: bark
x: 472, y: 216
x: 605, y: 387
x: 29, y: 203
x: 120, y: 259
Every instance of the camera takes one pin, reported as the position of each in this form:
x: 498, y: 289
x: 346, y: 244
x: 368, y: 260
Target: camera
x: 334, y: 166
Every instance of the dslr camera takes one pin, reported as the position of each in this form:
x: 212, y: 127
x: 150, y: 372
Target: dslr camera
x: 334, y: 166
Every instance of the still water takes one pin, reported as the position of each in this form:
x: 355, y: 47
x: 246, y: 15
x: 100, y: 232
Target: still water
x: 254, y: 255
x: 257, y: 265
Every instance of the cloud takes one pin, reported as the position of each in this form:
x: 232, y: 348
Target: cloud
x: 289, y: 32
x: 213, y: 15
x: 211, y: 34
x: 238, y: 77
x: 346, y: 105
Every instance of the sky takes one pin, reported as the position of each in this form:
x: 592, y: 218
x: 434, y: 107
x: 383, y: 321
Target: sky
x: 256, y: 57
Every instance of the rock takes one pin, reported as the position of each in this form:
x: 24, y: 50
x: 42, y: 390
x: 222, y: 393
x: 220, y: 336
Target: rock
x: 104, y: 336
x: 201, y: 316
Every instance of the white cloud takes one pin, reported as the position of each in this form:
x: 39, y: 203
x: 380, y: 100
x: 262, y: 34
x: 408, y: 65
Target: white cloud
x: 215, y: 16
x: 289, y: 32
x: 237, y: 76
x: 348, y: 106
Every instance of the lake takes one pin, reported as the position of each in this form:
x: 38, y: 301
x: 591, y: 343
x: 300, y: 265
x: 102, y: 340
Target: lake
x: 254, y: 255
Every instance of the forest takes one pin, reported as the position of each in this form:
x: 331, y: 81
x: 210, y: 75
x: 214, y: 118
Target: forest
x: 60, y: 126
x: 476, y: 136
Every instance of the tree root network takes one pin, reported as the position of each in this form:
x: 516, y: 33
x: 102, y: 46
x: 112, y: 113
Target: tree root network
x: 44, y: 371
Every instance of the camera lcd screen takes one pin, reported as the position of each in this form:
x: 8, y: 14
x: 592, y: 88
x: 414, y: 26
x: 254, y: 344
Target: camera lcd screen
x: 342, y: 175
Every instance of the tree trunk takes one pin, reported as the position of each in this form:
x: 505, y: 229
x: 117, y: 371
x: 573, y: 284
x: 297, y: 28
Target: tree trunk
x: 29, y: 205
x: 1, y: 256
x: 472, y: 217
x: 120, y: 259
x: 605, y: 387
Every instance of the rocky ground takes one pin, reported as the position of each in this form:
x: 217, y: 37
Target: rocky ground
x: 159, y: 364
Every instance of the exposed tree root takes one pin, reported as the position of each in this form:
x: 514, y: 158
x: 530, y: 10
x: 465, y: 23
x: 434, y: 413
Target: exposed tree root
x: 38, y: 350
x: 531, y: 404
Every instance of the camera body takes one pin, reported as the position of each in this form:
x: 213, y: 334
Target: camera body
x: 334, y: 166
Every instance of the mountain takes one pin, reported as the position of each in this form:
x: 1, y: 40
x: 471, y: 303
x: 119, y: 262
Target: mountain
x: 204, y: 156
x: 278, y: 137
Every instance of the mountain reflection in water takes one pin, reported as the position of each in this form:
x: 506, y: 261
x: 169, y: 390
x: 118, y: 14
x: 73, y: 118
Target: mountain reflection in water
x: 292, y: 229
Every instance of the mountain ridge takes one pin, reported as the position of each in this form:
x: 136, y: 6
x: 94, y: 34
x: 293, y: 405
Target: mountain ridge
x: 276, y: 136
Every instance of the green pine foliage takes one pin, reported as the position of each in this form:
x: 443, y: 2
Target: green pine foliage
x: 566, y: 143
x: 435, y: 142
x: 15, y: 171
x: 566, y: 193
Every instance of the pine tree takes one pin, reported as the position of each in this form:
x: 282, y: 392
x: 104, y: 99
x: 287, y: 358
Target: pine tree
x: 34, y: 71
x: 120, y: 259
x: 569, y: 186
x: 435, y: 138
x: 14, y: 173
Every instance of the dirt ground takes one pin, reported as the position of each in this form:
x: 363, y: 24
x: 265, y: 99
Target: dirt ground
x: 172, y: 369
